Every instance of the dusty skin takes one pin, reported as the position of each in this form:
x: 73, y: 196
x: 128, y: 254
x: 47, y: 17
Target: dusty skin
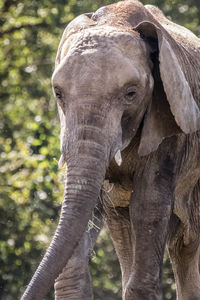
x: 127, y: 83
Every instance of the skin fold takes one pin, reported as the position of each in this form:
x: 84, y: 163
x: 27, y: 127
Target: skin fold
x: 127, y: 81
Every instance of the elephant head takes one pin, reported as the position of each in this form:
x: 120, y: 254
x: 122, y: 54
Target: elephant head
x: 118, y: 71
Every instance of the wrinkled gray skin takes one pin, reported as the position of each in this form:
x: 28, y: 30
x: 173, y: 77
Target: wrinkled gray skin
x: 126, y: 78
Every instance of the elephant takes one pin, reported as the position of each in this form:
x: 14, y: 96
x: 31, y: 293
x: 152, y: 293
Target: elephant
x: 127, y: 84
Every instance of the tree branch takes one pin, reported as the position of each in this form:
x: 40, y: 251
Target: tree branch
x: 13, y: 29
x: 24, y: 26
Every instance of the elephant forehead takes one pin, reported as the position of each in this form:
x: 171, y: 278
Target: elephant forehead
x: 101, y: 61
x: 94, y: 69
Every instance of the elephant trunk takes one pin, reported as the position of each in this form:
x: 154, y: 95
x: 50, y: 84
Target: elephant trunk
x: 84, y: 178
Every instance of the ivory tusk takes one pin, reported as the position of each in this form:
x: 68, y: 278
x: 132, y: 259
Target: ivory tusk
x: 61, y: 162
x: 118, y: 158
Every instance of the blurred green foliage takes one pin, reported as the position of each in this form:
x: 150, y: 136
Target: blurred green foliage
x: 31, y: 186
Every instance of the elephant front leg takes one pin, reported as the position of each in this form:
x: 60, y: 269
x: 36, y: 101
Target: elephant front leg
x: 185, y: 262
x: 184, y: 246
x: 150, y: 211
x: 118, y: 222
x: 74, y: 283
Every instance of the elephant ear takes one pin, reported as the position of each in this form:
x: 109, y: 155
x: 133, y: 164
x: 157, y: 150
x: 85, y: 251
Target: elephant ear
x: 174, y: 106
x: 176, y: 97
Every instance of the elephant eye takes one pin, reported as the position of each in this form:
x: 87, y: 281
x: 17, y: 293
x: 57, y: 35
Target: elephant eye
x: 58, y: 93
x: 130, y: 94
